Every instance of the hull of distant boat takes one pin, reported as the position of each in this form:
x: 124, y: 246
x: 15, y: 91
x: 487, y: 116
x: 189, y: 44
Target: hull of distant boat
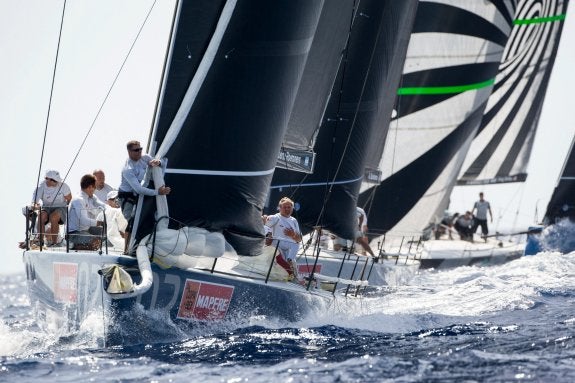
x: 444, y: 254
x: 377, y: 272
x: 66, y: 289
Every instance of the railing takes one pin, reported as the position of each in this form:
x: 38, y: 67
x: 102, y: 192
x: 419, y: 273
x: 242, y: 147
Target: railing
x: 35, y: 237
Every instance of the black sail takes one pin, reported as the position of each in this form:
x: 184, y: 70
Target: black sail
x: 369, y: 72
x: 231, y: 81
x: 452, y: 60
x: 319, y: 74
x: 562, y: 202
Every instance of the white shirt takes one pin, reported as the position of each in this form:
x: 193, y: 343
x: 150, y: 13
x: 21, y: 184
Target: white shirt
x: 83, y: 211
x: 51, y: 196
x: 361, y: 213
x: 102, y: 194
x: 116, y: 224
x: 277, y: 223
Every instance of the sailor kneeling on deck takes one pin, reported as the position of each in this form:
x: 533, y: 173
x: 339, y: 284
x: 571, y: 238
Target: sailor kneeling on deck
x: 284, y: 229
x: 84, y: 230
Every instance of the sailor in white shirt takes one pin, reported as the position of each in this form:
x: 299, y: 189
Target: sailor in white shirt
x: 284, y: 229
x: 84, y: 228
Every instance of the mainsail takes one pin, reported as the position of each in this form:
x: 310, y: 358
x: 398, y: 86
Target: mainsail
x: 452, y: 59
x: 562, y: 202
x: 233, y: 72
x: 369, y: 71
x: 501, y: 150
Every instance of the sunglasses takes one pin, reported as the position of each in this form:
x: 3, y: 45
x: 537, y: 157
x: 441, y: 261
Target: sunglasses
x: 51, y: 179
x: 136, y: 150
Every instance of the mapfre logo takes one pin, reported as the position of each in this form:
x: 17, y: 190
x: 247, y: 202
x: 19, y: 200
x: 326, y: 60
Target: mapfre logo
x: 205, y: 301
x: 65, y: 282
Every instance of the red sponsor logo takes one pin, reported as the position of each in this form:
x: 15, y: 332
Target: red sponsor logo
x: 305, y: 270
x: 65, y: 282
x: 205, y: 301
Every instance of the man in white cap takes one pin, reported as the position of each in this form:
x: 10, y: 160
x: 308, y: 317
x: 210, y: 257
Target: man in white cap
x: 52, y: 196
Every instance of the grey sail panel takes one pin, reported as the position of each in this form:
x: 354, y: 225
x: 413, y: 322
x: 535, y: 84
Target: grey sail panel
x: 562, y: 202
x: 221, y: 158
x: 452, y: 59
x: 369, y: 72
x: 501, y: 150
x: 319, y: 74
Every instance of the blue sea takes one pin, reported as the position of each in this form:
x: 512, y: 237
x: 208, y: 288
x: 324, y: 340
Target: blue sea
x: 509, y: 323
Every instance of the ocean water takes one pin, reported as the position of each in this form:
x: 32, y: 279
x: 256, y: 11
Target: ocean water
x: 507, y: 323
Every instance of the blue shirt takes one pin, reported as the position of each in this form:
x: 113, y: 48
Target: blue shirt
x: 133, y: 175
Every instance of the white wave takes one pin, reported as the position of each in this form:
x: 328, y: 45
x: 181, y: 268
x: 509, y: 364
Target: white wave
x: 437, y: 297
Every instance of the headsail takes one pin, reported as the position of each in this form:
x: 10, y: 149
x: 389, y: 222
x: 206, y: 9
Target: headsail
x: 451, y: 63
x: 562, y: 202
x: 229, y: 89
x: 501, y: 150
x: 359, y: 101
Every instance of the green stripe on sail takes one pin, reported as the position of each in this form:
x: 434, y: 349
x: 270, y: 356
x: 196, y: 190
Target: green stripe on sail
x: 444, y: 89
x: 539, y: 20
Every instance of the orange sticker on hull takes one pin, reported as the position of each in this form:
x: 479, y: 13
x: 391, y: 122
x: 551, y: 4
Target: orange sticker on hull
x: 65, y: 282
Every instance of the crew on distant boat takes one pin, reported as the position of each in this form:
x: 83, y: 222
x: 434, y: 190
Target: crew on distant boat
x: 446, y: 225
x: 131, y: 184
x: 102, y: 188
x: 361, y: 234
x: 480, y: 219
x: 283, y: 228
x: 83, y: 227
x: 52, y: 196
x: 463, y: 226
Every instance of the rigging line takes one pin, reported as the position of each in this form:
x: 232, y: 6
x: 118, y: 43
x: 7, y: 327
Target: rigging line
x: 109, y: 90
x: 339, y: 101
x: 50, y: 106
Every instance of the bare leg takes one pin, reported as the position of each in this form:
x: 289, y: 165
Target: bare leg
x: 126, y: 241
x: 54, y: 227
x: 363, y: 242
x: 41, y: 223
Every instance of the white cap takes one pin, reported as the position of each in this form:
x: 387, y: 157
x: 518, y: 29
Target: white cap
x: 53, y: 174
x: 112, y: 194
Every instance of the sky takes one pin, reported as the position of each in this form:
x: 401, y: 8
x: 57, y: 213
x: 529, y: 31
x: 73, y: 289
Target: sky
x: 91, y: 102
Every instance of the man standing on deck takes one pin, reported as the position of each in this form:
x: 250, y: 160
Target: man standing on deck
x: 480, y: 219
x: 131, y: 185
x: 284, y: 228
x: 361, y: 234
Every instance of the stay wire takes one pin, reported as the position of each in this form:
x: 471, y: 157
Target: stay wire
x: 50, y: 104
x: 110, y: 89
